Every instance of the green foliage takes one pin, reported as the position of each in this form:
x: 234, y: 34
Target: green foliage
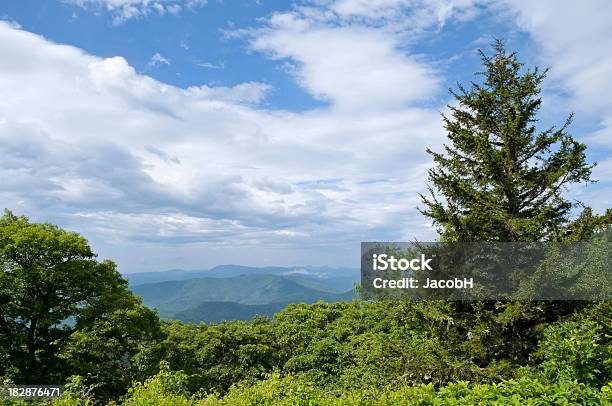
x: 369, y: 353
x: 500, y: 179
x: 291, y: 391
x: 216, y: 312
x: 103, y: 352
x: 215, y: 356
x: 570, y: 271
x: 350, y: 346
x: 339, y: 345
x: 77, y: 392
x: 167, y: 388
x: 64, y: 313
x: 358, y: 344
x: 579, y: 349
x: 47, y: 276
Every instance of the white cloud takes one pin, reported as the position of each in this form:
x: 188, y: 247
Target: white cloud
x: 352, y: 53
x: 210, y: 65
x: 123, y: 10
x: 573, y: 38
x: 352, y: 67
x: 406, y: 14
x: 128, y: 160
x: 250, y: 92
x: 582, y: 56
x: 96, y: 146
x: 157, y: 59
x: 12, y: 23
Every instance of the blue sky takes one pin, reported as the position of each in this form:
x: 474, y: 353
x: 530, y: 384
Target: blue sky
x: 190, y: 133
x: 192, y: 41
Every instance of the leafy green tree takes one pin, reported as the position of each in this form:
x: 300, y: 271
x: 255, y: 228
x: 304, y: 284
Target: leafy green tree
x: 55, y: 296
x: 103, y: 353
x: 499, y: 179
x: 214, y: 356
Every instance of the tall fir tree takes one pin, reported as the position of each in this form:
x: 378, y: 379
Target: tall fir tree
x: 500, y: 179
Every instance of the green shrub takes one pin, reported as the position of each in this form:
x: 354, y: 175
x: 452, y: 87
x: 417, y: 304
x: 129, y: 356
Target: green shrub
x: 288, y: 390
x: 580, y: 348
x: 168, y: 388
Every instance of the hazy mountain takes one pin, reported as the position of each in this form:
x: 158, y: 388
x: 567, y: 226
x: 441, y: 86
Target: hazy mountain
x: 173, y: 298
x: 338, y: 279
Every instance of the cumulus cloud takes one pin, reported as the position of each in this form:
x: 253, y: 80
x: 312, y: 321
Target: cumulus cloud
x: 210, y: 171
x: 352, y: 52
x: 249, y: 92
x: 123, y: 157
x: 581, y: 60
x: 351, y: 66
x: 123, y: 10
x: 581, y: 57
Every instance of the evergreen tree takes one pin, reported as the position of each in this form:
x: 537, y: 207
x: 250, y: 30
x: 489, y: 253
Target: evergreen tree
x: 499, y: 178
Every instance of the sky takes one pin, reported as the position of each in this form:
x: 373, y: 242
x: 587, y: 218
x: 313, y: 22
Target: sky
x: 191, y: 133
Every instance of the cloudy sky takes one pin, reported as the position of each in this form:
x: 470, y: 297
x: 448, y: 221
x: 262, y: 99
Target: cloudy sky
x: 191, y: 133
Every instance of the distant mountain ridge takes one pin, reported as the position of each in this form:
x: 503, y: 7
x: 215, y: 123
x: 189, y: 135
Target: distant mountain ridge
x: 219, y: 297
x: 339, y: 278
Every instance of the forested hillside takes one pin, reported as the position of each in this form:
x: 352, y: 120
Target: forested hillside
x: 67, y: 318
x: 366, y: 353
x: 248, y: 294
x: 216, y: 312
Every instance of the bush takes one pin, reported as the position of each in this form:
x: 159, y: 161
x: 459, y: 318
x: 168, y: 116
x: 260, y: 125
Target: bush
x: 580, y: 348
x: 289, y: 390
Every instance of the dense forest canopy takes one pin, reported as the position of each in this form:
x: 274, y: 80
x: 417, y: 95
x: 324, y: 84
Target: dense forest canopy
x: 67, y: 318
